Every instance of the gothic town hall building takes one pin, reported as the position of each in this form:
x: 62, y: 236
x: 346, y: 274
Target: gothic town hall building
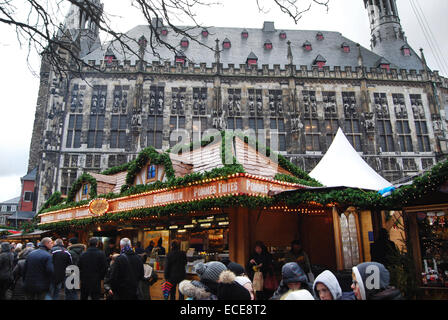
x: 299, y: 85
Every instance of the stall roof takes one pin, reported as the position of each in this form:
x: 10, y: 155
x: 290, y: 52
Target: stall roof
x: 34, y: 234
x: 342, y: 166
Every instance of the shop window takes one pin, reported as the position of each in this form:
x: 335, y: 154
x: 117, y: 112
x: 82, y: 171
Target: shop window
x: 433, y: 236
x: 350, y: 245
x: 151, y: 173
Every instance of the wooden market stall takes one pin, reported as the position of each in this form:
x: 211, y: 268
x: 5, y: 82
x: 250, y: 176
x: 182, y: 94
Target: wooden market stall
x: 216, y: 210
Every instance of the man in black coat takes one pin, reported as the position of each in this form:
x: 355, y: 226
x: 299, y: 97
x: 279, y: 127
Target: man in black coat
x: 175, y: 272
x: 127, y: 271
x: 38, y: 271
x: 92, y: 266
x: 6, y: 268
x: 61, y: 260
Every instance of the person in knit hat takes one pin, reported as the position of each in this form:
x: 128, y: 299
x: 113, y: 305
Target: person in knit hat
x: 326, y: 287
x: 371, y: 282
x: 229, y: 289
x: 209, y: 275
x: 246, y: 283
x: 293, y: 278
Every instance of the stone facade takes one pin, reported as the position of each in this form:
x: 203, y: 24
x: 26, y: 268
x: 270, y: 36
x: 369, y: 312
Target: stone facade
x: 396, y: 118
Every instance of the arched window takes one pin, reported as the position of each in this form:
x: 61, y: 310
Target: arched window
x: 349, y: 235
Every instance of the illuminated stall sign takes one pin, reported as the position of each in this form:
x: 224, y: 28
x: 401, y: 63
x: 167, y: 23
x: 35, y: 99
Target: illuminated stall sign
x: 242, y: 185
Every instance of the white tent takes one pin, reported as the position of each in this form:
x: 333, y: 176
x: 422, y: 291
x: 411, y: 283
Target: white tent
x: 342, y: 166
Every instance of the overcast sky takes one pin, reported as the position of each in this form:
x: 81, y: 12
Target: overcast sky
x: 19, y: 86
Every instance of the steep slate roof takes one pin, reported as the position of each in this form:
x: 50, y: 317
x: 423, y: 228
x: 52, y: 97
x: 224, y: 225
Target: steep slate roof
x: 11, y: 201
x: 330, y: 47
x: 30, y: 176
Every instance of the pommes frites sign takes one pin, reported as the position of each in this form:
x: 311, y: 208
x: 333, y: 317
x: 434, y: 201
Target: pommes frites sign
x: 233, y: 186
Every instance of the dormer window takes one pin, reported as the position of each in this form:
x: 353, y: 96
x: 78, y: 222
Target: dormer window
x: 151, y: 173
x: 205, y: 33
x: 164, y: 31
x: 226, y: 44
x: 282, y: 35
x: 245, y: 34
x: 406, y: 51
x: 268, y: 45
x: 184, y: 43
x: 252, y: 59
x: 180, y: 58
x: 320, y: 36
x: 109, y: 57
x: 307, y: 46
x: 320, y: 61
x: 383, y: 64
x: 345, y: 47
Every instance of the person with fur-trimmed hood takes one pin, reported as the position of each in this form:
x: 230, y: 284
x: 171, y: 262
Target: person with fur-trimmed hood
x: 371, y: 282
x: 195, y: 290
x: 293, y: 278
x: 230, y: 289
x: 326, y: 287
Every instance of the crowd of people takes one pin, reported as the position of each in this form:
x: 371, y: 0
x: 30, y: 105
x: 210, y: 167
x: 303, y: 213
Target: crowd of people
x: 42, y: 273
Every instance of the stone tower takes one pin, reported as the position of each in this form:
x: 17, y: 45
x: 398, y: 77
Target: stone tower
x: 388, y: 38
x: 82, y: 24
x: 80, y: 35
